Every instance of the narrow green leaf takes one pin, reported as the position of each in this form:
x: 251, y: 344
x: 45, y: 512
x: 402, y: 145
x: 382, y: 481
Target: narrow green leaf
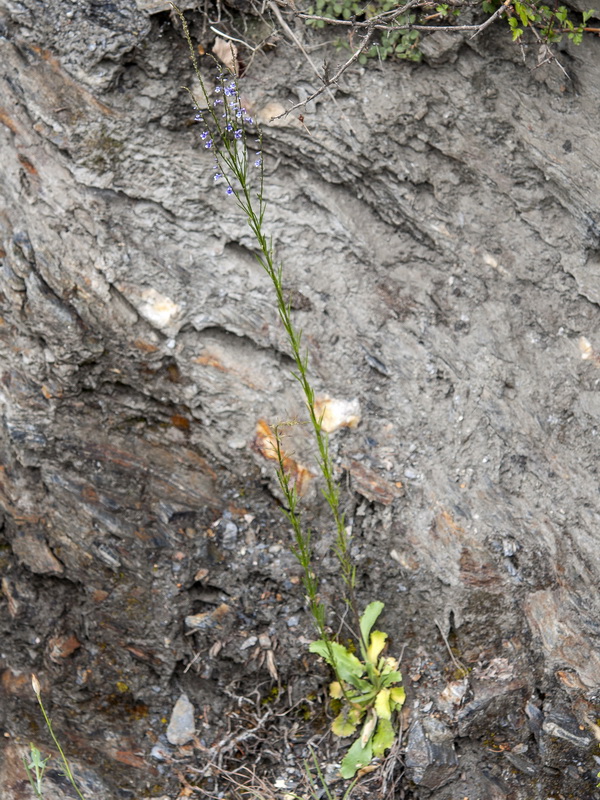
x: 368, y: 619
x: 391, y: 677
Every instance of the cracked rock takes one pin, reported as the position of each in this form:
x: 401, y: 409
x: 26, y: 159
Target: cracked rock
x: 431, y: 760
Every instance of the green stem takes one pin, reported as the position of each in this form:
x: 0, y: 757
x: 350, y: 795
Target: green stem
x: 67, y: 768
x: 232, y: 157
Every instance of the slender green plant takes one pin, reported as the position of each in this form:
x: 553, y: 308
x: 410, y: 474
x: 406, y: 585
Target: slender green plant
x: 35, y: 771
x: 369, y: 688
x: 35, y: 768
x: 318, y: 786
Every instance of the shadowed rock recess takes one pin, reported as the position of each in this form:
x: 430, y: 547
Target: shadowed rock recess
x: 440, y: 233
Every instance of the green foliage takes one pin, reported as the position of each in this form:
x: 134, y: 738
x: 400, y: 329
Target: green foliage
x: 370, y: 692
x: 399, y: 40
x: 396, y: 44
x: 552, y: 23
x: 444, y: 10
x: 35, y: 769
x: 389, y: 44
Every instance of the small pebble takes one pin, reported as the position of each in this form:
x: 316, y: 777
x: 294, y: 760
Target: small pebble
x: 182, y: 727
x: 293, y: 622
x: 229, y: 535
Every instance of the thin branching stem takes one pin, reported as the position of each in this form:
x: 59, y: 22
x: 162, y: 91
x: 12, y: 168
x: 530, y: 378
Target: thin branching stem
x: 231, y: 155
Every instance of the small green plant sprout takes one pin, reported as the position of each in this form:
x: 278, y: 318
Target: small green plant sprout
x: 66, y: 766
x: 35, y: 768
x: 369, y: 690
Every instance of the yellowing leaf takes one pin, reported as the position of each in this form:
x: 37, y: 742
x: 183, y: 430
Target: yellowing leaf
x: 384, y: 737
x: 398, y: 695
x: 346, y: 722
x: 382, y: 704
x: 376, y: 645
x: 335, y: 690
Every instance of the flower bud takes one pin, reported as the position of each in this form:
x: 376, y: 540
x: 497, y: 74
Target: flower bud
x: 35, y: 684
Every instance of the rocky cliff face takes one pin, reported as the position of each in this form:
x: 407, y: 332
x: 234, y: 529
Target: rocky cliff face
x: 440, y: 233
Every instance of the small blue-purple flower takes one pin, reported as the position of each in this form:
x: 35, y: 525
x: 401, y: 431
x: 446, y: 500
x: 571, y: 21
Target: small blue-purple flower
x: 238, y: 134
x: 229, y: 190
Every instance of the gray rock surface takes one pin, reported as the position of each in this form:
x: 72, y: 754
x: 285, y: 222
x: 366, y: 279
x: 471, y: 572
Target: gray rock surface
x: 440, y: 232
x: 431, y: 759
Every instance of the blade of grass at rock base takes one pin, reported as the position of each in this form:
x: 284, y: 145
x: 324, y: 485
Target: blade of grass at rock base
x: 356, y: 758
x: 383, y: 738
x: 368, y: 619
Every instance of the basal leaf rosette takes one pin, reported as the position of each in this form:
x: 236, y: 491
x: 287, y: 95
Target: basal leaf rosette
x: 369, y: 690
